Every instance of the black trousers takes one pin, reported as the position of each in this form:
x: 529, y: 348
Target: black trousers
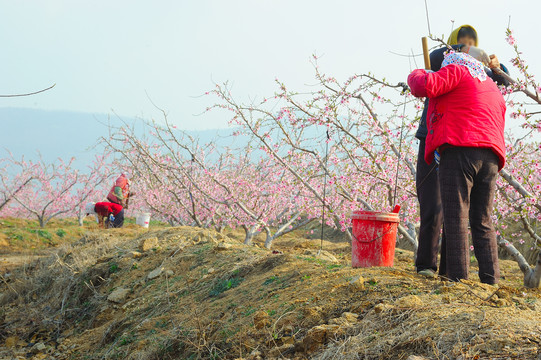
x: 428, y: 194
x: 467, y: 186
x: 118, y: 222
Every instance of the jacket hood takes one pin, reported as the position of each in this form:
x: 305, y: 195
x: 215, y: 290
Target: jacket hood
x: 453, y: 38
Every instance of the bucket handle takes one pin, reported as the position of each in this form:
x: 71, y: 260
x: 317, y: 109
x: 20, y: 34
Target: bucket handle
x: 374, y: 239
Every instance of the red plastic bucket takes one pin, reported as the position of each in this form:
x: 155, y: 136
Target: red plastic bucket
x: 374, y: 238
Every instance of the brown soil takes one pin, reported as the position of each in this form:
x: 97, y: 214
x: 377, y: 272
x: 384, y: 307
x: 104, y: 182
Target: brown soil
x: 215, y: 298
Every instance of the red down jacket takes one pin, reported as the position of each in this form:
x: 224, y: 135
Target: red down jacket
x: 462, y: 110
x: 120, y: 190
x: 105, y: 208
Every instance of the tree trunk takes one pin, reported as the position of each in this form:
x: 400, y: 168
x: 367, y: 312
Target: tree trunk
x: 269, y: 239
x: 80, y: 218
x: 531, y: 276
x: 250, y: 233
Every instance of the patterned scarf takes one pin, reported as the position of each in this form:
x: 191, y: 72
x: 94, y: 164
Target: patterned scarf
x: 475, y: 67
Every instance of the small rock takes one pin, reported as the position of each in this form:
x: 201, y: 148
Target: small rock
x: 502, y: 294
x: 315, y: 337
x: 379, y: 308
x: 148, y: 244
x: 118, y: 295
x: 318, y: 335
x: 339, y: 321
x: 39, y: 346
x: 169, y: 273
x: 357, y: 283
x: 501, y: 302
x: 136, y: 254
x: 288, y: 329
x: 333, y: 331
x: 322, y: 255
x: 410, y: 301
x: 261, y: 319
x: 313, y: 312
x: 327, y: 256
x: 210, y: 271
x: 350, y: 317
x: 11, y: 341
x: 223, y: 246
x: 155, y: 273
x: 198, y: 237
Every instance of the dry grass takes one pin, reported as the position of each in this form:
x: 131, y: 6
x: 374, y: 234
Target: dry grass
x: 441, y: 331
x: 27, y: 237
x: 235, y: 301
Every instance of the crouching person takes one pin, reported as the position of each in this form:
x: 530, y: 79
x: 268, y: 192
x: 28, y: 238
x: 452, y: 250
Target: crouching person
x: 465, y: 121
x: 110, y: 215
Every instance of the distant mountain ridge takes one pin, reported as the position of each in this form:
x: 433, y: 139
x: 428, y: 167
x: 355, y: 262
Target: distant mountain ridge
x: 51, y: 133
x: 64, y: 134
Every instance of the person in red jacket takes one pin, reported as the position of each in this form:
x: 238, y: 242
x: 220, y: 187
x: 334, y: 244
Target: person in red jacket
x: 110, y: 215
x: 465, y: 122
x: 120, y: 192
x: 431, y: 239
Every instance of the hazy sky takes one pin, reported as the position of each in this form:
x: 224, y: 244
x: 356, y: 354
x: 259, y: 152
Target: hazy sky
x: 104, y: 55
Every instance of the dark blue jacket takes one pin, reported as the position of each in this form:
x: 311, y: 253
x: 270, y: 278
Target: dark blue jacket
x: 436, y: 58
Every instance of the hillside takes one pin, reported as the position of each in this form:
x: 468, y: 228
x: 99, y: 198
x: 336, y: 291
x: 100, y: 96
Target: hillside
x: 188, y: 293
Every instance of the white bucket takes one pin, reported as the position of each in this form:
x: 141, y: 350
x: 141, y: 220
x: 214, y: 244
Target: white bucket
x: 143, y: 219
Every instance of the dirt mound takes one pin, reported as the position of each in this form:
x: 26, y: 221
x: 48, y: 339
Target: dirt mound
x: 198, y: 294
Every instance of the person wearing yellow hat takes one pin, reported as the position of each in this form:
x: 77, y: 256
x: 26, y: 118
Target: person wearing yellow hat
x: 463, y: 39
